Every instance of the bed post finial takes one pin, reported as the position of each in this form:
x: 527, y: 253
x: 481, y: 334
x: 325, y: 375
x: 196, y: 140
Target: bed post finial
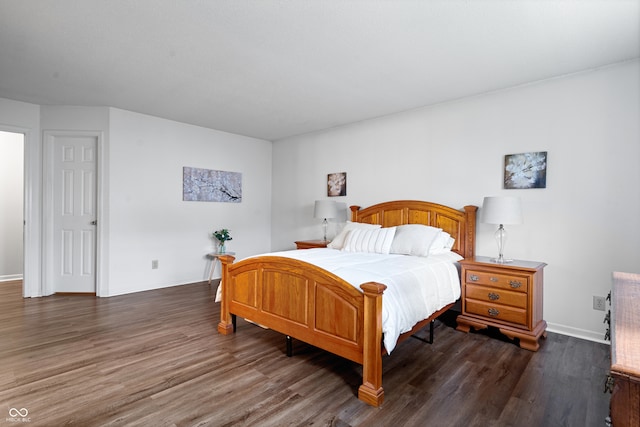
x: 354, y: 213
x: 470, y: 231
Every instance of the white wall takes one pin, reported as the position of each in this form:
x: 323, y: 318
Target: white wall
x: 11, y: 204
x: 148, y: 219
x: 583, y: 225
x: 142, y: 215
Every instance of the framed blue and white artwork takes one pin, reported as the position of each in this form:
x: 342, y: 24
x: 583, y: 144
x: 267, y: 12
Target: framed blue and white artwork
x: 207, y: 185
x: 525, y: 170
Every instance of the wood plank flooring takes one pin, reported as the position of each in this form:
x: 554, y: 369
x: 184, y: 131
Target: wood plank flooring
x: 155, y: 359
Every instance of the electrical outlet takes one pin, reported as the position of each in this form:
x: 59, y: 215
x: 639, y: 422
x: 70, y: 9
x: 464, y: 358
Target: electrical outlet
x: 154, y: 266
x: 598, y: 303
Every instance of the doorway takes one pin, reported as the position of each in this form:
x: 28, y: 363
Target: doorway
x: 71, y: 207
x: 11, y: 206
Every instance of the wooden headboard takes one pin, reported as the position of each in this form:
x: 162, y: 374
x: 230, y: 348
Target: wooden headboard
x: 460, y: 224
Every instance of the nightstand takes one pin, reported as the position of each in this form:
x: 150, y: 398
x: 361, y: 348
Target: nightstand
x: 310, y: 244
x: 506, y: 296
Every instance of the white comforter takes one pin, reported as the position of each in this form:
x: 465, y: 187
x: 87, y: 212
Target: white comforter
x: 416, y: 286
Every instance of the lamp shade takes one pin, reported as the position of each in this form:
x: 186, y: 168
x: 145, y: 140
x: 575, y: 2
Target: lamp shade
x: 501, y: 210
x: 325, y: 209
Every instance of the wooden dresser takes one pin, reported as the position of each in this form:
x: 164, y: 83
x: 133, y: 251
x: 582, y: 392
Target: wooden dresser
x: 506, y: 296
x: 625, y: 350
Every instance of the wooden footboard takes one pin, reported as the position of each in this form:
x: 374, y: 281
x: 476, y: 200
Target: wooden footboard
x: 308, y: 303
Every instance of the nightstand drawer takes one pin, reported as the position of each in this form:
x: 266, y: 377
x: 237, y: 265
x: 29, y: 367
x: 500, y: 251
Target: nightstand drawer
x: 497, y: 312
x: 497, y: 280
x: 496, y: 296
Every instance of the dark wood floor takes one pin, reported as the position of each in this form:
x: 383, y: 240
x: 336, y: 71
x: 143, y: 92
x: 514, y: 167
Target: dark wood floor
x: 155, y: 359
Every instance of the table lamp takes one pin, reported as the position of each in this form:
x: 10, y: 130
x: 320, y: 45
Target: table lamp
x: 501, y: 210
x: 325, y: 209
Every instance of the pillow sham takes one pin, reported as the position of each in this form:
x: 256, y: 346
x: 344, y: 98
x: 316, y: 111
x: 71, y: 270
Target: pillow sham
x: 414, y: 239
x: 442, y: 243
x: 376, y: 240
x: 449, y: 245
x: 338, y: 241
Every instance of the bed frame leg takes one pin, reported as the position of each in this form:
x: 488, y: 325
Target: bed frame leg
x: 431, y: 331
x: 430, y: 340
x: 289, y: 346
x: 227, y: 324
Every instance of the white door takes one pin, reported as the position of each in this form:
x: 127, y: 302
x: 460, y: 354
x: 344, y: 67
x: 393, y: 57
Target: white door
x: 74, y: 213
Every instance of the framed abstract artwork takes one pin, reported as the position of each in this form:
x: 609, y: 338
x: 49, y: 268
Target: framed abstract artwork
x: 207, y: 185
x: 525, y: 170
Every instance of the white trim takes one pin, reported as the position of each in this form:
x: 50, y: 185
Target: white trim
x: 102, y: 229
x: 577, y: 333
x: 10, y: 277
x: 32, y: 281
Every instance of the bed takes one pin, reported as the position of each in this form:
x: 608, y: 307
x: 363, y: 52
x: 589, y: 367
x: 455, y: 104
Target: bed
x: 311, y: 304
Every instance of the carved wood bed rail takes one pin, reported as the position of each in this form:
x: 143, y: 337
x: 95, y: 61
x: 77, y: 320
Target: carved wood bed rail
x: 313, y: 305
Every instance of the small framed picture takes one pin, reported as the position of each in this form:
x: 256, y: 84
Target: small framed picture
x: 337, y: 184
x: 525, y: 170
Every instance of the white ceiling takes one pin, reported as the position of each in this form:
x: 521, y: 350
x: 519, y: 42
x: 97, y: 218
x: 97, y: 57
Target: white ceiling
x: 276, y: 68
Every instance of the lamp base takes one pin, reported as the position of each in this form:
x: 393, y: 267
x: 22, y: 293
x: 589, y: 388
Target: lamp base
x: 325, y: 224
x: 501, y: 239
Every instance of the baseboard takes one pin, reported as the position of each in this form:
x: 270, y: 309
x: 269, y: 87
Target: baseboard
x: 577, y: 333
x: 11, y: 278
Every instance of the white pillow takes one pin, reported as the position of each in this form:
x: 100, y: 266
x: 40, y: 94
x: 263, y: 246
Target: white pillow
x: 449, y: 245
x: 373, y: 240
x: 442, y: 243
x: 338, y: 241
x: 414, y: 239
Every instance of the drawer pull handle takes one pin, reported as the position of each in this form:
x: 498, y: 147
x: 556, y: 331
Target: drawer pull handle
x: 608, y: 384
x: 493, y: 296
x: 493, y: 279
x: 493, y: 312
x: 515, y: 284
x: 473, y: 278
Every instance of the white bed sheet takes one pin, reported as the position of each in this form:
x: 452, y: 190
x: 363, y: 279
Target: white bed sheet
x: 417, y: 287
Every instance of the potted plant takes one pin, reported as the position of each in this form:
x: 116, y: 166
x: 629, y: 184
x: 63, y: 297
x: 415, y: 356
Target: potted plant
x: 222, y: 236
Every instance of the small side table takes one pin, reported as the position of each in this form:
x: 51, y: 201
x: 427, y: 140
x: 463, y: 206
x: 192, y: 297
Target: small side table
x: 310, y: 244
x: 214, y: 257
x: 505, y: 296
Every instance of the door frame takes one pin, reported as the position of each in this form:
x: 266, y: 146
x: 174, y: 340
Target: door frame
x: 31, y: 224
x: 48, y: 206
